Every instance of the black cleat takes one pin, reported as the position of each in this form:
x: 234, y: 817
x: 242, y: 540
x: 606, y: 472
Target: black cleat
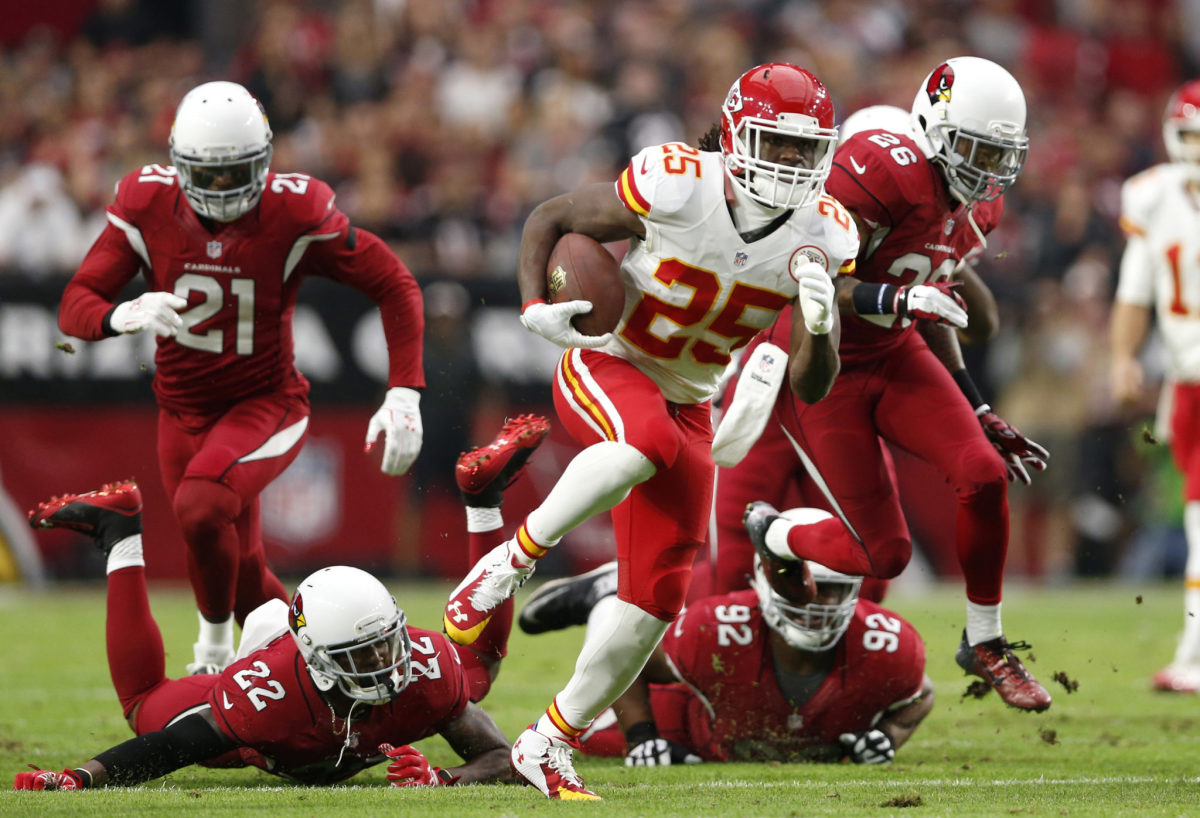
x: 109, y: 514
x: 561, y: 603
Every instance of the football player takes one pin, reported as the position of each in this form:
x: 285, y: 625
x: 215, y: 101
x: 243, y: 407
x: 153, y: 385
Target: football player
x: 222, y: 244
x: 756, y: 675
x: 322, y: 688
x: 923, y: 201
x: 1160, y: 272
x: 719, y: 242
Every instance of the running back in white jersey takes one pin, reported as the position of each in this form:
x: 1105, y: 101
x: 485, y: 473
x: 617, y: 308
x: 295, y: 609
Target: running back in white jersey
x: 1161, y: 265
x: 694, y: 290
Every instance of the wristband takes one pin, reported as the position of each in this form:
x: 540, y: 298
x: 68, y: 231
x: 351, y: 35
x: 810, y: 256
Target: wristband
x: 85, y: 778
x: 531, y: 302
x: 874, y: 299
x: 641, y: 732
x: 968, y: 387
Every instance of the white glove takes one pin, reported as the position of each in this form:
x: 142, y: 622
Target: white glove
x: 869, y: 746
x: 156, y: 311
x: 400, y: 421
x: 751, y: 405
x: 553, y: 322
x: 933, y: 302
x: 817, y: 296
x: 659, y: 752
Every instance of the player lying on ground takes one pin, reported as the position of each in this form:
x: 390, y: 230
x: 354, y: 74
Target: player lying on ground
x: 782, y: 671
x: 321, y: 689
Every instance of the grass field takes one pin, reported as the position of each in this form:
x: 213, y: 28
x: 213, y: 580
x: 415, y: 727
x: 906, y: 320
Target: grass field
x: 1111, y: 747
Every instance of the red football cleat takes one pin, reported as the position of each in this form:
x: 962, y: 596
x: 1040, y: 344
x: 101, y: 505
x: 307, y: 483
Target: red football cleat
x: 484, y: 473
x: 994, y: 662
x: 109, y: 514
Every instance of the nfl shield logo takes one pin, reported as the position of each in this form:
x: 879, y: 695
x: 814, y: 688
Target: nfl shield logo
x: 739, y: 259
x: 766, y: 362
x: 213, y: 249
x: 949, y: 226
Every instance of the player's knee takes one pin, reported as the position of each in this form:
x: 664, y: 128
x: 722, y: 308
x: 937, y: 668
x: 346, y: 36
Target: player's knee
x: 888, y: 562
x: 983, y: 474
x: 203, y: 506
x: 660, y: 440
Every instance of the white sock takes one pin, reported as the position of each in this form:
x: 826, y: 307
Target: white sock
x: 125, y: 554
x: 616, y: 648
x: 776, y: 538
x: 983, y: 622
x: 215, y: 634
x: 482, y: 520
x: 595, y: 480
x: 1188, y: 651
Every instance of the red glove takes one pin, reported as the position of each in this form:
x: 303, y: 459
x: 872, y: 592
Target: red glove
x: 408, y: 768
x: 47, y: 780
x: 1017, y: 450
x: 937, y: 302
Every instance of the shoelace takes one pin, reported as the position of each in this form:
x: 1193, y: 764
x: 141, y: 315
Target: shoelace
x: 1014, y: 664
x: 560, y: 762
x: 508, y: 578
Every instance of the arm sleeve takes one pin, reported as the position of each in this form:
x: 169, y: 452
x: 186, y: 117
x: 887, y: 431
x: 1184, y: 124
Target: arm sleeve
x: 365, y: 263
x: 143, y: 758
x: 109, y: 265
x: 1136, y: 282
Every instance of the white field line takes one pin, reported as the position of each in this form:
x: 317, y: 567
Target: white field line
x: 949, y: 782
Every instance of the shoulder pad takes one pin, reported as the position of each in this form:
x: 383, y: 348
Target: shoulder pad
x: 662, y: 178
x: 139, y: 189
x: 880, y: 175
x: 304, y: 200
x: 1140, y: 195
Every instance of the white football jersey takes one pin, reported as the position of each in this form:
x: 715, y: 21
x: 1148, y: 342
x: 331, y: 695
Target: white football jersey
x: 1161, y: 263
x: 694, y: 290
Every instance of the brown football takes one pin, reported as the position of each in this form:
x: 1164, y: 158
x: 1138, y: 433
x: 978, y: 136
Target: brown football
x: 580, y: 268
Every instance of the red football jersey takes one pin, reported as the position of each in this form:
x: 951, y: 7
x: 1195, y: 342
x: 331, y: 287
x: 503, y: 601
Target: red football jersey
x: 888, y: 183
x: 268, y: 704
x: 240, y: 279
x: 737, y: 711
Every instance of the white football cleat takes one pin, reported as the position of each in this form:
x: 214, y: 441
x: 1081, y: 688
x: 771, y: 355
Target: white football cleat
x: 1178, y: 679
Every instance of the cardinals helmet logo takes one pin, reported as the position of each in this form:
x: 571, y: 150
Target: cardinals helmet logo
x: 940, y: 82
x: 296, y: 613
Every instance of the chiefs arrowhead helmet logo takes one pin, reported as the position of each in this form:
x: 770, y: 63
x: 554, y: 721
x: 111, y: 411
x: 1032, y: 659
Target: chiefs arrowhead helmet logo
x: 940, y: 83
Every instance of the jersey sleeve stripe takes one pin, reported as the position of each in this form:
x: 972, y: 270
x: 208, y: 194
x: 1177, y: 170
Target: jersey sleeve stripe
x: 1130, y: 228
x: 628, y: 192
x: 847, y: 268
x: 133, y: 235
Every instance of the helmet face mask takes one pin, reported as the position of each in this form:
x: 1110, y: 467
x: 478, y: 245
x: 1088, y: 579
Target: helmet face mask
x: 351, y: 635
x: 816, y: 626
x: 777, y: 135
x: 221, y: 147
x: 1181, y: 127
x: 970, y: 119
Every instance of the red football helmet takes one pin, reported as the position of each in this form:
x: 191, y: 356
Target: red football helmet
x: 1183, y: 117
x: 778, y: 100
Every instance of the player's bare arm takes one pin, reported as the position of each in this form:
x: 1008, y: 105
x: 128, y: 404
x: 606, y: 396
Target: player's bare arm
x: 1128, y: 325
x: 476, y: 738
x: 900, y: 723
x: 813, y: 361
x: 593, y: 210
x: 983, y: 316
x: 943, y: 342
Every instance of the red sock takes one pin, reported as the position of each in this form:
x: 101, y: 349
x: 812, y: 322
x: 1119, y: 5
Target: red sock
x: 207, y: 512
x: 136, y: 660
x: 981, y: 533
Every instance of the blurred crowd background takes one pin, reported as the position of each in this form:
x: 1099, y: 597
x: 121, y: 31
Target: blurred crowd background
x: 442, y: 123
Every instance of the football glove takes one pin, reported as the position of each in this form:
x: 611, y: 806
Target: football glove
x: 47, y: 780
x: 553, y: 322
x: 409, y: 768
x: 659, y: 752
x: 936, y: 302
x: 817, y: 297
x: 157, y: 311
x: 1017, y: 450
x: 868, y: 747
x: 400, y: 421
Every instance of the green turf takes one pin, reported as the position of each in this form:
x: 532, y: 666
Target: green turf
x: 1110, y: 748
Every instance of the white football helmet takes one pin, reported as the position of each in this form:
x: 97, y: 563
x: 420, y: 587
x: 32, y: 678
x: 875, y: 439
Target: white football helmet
x: 1182, y: 119
x: 221, y: 146
x: 819, y: 624
x: 351, y: 634
x: 876, y: 117
x: 969, y: 117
